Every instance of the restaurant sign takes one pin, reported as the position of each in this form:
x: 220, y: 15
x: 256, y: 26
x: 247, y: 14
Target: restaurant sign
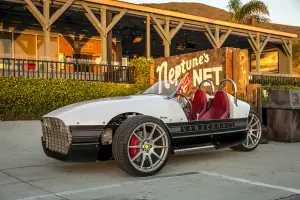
x: 214, y: 65
x: 203, y: 65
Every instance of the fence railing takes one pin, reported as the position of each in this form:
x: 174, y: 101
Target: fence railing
x: 66, y: 70
x: 274, y: 79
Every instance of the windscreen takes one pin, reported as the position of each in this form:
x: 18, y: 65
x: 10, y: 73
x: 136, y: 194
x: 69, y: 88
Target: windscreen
x: 170, y: 88
x: 165, y: 88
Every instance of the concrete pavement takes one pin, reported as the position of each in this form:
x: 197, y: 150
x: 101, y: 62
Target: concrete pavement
x: 270, y: 172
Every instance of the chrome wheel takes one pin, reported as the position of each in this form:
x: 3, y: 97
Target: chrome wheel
x: 254, y: 131
x: 148, y: 147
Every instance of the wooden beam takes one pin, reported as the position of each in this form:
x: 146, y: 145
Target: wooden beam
x: 46, y: 12
x: 159, y: 32
x: 256, y: 48
x: 167, y: 44
x: 224, y: 37
x: 210, y: 40
x: 175, y: 16
x: 215, y: 39
x: 109, y: 18
x: 257, y: 54
x: 103, y: 37
x: 141, y: 11
x: 258, y: 44
x: 180, y: 16
x: 99, y: 26
x: 160, y: 29
x: 212, y: 37
x: 287, y: 48
x: 175, y: 30
x: 115, y: 20
x: 199, y: 26
x: 217, y: 35
x: 265, y: 43
x: 94, y: 24
x: 35, y: 12
x: 148, y: 37
x: 60, y: 11
x: 253, y: 42
x: 290, y: 59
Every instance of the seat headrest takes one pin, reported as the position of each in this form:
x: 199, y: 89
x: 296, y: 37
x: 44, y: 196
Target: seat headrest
x: 219, y: 108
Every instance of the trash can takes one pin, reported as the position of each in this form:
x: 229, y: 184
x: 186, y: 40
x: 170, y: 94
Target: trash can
x: 283, y: 115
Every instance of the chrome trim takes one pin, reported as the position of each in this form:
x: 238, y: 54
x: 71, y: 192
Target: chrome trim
x: 234, y: 86
x: 211, y: 85
x: 206, y: 134
x: 194, y: 149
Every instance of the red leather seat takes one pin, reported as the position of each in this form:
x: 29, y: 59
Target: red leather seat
x: 219, y: 108
x: 199, y: 104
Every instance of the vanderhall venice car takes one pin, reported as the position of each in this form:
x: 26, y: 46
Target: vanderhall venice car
x: 140, y: 132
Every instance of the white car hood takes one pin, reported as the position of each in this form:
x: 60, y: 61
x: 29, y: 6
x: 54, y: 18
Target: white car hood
x: 99, y: 102
x: 100, y: 111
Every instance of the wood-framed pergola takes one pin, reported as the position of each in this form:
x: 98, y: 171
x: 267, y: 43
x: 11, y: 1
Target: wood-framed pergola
x: 166, y: 23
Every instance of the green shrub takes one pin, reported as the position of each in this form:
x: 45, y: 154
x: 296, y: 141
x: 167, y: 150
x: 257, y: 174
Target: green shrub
x: 142, y: 72
x: 22, y: 98
x: 280, y: 87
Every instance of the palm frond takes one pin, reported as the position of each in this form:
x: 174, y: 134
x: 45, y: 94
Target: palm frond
x: 234, y: 6
x: 255, y: 7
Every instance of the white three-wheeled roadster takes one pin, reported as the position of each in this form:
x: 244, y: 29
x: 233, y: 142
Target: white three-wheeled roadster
x: 141, y: 131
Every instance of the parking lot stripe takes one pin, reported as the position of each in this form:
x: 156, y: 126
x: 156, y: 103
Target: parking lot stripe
x: 296, y: 191
x: 103, y: 187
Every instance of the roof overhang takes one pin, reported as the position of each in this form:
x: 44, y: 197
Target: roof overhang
x: 172, y: 14
x: 143, y: 11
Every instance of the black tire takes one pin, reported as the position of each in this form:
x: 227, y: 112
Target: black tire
x: 122, y: 137
x: 242, y: 147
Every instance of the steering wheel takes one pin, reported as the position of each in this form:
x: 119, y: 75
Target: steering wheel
x: 184, y: 102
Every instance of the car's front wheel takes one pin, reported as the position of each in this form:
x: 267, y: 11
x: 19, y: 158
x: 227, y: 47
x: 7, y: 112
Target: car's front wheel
x: 141, y: 145
x: 254, y: 133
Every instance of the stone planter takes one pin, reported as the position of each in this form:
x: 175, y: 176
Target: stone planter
x: 283, y: 115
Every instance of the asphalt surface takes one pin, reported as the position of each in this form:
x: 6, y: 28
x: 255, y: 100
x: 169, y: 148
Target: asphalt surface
x: 270, y: 172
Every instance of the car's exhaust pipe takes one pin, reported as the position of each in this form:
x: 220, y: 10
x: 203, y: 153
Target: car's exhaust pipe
x: 194, y: 149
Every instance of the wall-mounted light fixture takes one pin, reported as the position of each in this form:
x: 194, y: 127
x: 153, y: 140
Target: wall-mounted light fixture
x: 137, y: 39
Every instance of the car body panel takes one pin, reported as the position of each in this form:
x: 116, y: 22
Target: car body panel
x: 101, y: 111
x: 86, y: 122
x: 241, y: 110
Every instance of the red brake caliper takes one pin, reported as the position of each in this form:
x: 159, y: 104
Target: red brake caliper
x: 133, y: 142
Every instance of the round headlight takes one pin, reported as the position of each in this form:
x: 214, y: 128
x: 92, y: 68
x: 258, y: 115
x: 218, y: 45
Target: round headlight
x: 106, y: 137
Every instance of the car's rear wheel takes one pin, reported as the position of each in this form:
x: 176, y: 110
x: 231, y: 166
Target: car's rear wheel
x: 141, y: 146
x: 253, y: 135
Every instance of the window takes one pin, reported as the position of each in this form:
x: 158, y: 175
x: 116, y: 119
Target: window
x: 5, y: 44
x: 269, y: 62
x: 25, y: 46
x: 53, y: 48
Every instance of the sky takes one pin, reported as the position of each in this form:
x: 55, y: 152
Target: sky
x: 281, y: 12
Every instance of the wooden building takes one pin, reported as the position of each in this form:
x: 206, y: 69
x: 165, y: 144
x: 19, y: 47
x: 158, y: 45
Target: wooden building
x: 110, y: 31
